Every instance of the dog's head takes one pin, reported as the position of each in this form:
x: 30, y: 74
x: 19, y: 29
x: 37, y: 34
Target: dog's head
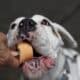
x: 23, y: 27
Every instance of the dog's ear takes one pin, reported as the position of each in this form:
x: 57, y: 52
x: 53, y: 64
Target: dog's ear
x: 64, y: 34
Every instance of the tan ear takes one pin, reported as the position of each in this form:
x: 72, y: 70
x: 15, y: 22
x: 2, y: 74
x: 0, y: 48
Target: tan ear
x: 64, y: 33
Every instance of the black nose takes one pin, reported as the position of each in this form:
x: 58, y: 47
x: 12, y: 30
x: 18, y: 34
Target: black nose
x: 29, y: 22
x: 26, y: 25
x: 30, y: 25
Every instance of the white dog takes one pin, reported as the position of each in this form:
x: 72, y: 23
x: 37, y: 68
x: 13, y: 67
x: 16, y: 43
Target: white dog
x: 46, y: 37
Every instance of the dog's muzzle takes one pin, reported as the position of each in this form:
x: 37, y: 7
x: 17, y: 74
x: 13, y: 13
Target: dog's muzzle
x: 26, y: 29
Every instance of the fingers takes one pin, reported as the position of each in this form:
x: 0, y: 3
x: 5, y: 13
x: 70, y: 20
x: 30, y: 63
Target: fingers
x: 6, y: 58
x: 2, y: 36
x: 13, y: 62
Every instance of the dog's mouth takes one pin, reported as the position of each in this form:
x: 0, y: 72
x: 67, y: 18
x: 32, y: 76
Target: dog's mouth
x: 36, y: 66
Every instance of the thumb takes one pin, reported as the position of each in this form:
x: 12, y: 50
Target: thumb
x: 13, y: 62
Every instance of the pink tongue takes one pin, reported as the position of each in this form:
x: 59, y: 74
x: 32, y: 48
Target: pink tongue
x: 41, y: 62
x: 48, y: 62
x: 37, y: 67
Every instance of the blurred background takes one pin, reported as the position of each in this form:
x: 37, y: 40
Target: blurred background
x: 65, y: 12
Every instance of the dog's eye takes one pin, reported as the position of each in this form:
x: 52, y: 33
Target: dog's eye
x: 45, y: 22
x: 21, y: 25
x: 13, y: 26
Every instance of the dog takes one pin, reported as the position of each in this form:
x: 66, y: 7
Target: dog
x: 46, y: 37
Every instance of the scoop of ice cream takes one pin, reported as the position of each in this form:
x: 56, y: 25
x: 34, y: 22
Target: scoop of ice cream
x: 25, y: 51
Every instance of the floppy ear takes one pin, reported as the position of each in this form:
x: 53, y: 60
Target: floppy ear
x: 65, y: 34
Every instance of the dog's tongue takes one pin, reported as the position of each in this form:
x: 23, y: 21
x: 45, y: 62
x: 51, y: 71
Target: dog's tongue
x: 47, y: 62
x: 41, y: 63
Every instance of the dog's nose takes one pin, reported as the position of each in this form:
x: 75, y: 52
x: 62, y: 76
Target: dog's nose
x: 30, y: 23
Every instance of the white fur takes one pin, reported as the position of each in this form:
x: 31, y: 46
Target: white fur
x: 62, y: 53
x: 45, y: 37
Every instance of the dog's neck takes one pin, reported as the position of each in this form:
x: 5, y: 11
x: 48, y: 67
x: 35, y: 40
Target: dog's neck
x: 55, y: 73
